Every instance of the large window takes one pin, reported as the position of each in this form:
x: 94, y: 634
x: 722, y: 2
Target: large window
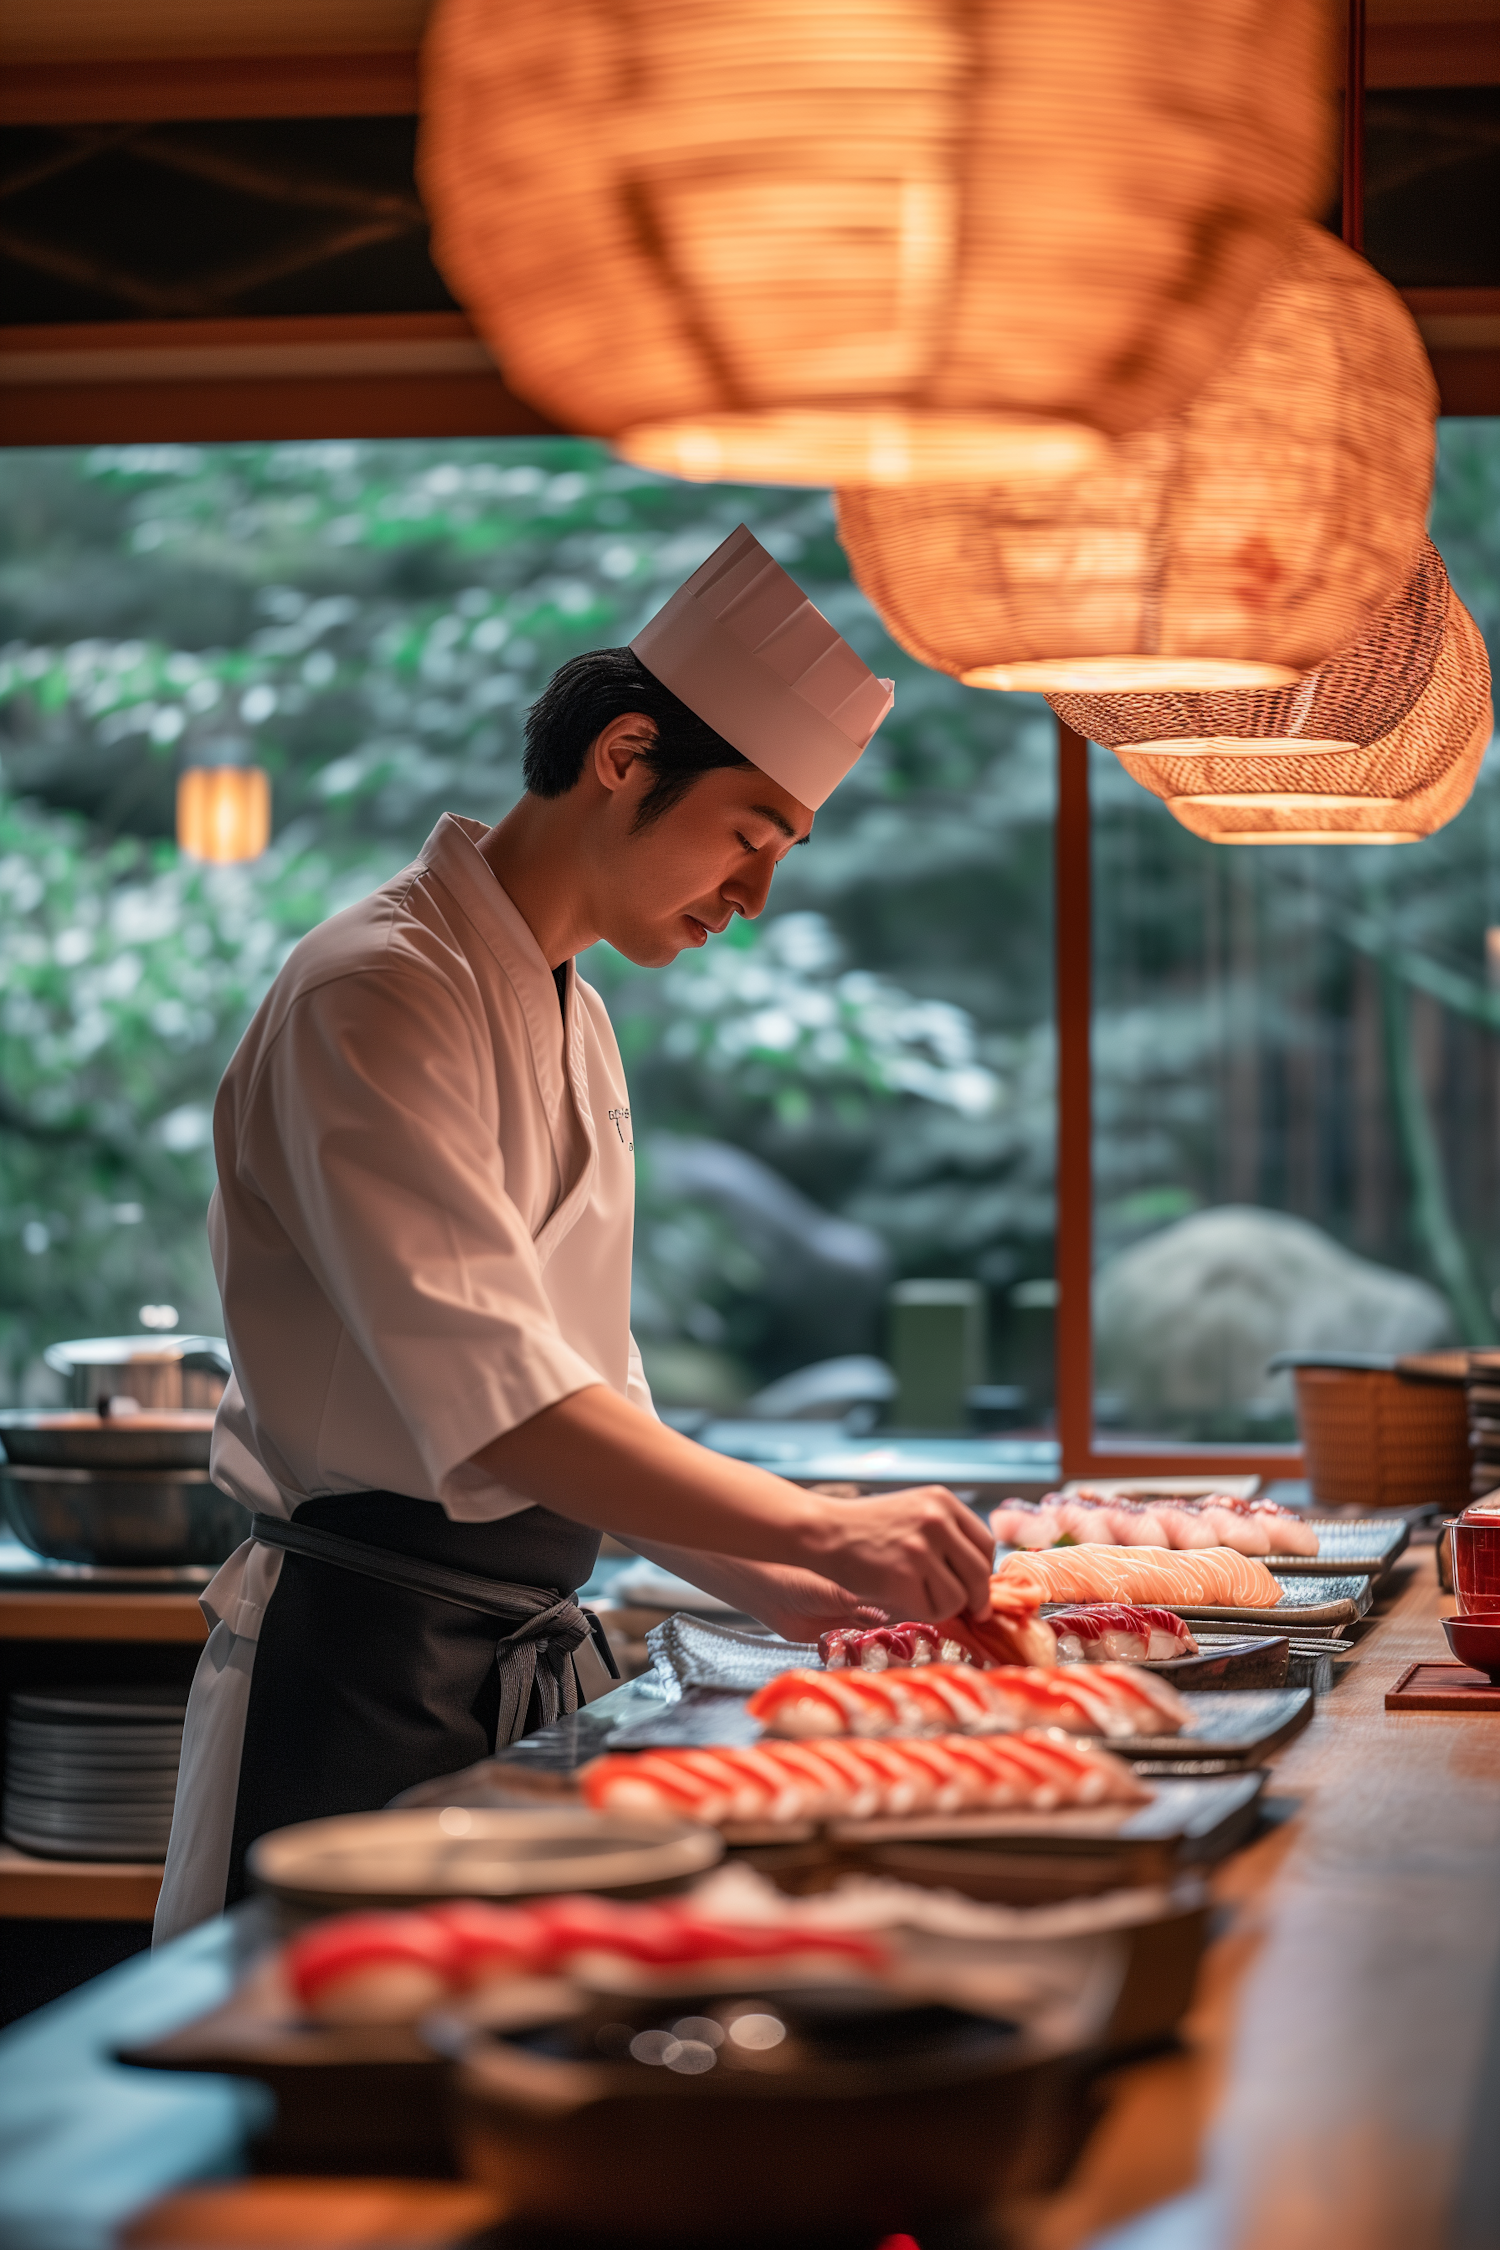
x: 1295, y: 1086
x: 1291, y: 1055
x: 856, y: 1089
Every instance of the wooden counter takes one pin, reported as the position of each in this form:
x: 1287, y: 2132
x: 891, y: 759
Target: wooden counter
x: 1322, y: 2099
x: 54, y: 1615
x: 1325, y: 2098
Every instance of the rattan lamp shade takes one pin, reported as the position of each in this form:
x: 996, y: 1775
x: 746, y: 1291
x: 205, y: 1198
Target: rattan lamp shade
x: 1394, y: 790
x: 1233, y: 546
x: 867, y: 239
x: 1360, y: 692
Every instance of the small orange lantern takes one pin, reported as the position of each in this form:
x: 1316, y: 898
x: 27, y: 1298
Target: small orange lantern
x: 224, y: 812
x: 1233, y: 546
x: 867, y: 240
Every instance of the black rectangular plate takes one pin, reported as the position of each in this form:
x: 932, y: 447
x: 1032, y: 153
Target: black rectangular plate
x: 1361, y: 1544
x: 1237, y: 1730
x: 1228, y: 1732
x: 1306, y: 1600
x: 1189, y: 1815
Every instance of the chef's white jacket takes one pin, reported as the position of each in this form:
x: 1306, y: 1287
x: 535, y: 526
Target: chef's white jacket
x: 422, y: 1236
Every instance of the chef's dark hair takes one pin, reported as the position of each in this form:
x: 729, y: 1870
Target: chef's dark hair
x: 578, y: 703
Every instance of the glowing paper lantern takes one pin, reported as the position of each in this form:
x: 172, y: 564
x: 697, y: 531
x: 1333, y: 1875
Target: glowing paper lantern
x: 224, y: 812
x: 1234, y: 545
x: 1400, y: 786
x: 867, y: 239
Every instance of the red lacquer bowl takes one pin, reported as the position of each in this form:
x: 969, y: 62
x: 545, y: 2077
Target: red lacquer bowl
x: 1475, y: 1641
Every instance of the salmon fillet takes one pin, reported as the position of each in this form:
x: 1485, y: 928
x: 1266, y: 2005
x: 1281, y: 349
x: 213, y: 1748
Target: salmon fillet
x: 1214, y: 1577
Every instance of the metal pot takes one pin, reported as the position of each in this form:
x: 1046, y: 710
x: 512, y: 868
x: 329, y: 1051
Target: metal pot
x: 156, y: 1371
x: 130, y: 1518
x: 35, y: 1438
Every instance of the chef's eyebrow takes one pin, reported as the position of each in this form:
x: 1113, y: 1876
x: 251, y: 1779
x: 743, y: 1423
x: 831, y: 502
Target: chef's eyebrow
x: 779, y: 820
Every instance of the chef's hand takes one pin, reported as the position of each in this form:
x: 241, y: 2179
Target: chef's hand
x: 800, y: 1606
x: 919, y: 1554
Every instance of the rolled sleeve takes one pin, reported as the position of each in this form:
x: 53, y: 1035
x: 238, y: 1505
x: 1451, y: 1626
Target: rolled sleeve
x: 637, y: 1389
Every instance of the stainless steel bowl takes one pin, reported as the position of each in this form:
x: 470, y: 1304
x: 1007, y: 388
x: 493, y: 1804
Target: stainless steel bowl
x: 131, y: 1518
x: 156, y: 1371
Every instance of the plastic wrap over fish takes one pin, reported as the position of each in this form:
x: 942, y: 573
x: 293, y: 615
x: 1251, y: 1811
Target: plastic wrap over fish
x: 692, y: 1652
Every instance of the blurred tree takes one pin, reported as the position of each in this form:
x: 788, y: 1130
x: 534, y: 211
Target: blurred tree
x: 371, y: 622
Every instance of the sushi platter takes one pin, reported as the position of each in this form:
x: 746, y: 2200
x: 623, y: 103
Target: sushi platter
x: 1284, y: 1539
x: 360, y: 2059
x: 1370, y: 1544
x: 1307, y: 1601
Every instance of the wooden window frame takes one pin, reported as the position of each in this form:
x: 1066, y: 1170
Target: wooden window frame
x: 1082, y: 1455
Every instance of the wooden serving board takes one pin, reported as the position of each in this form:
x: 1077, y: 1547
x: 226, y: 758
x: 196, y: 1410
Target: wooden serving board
x: 1442, y: 1685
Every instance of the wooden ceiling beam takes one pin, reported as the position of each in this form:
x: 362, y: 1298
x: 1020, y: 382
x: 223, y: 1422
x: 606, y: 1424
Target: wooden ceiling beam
x: 188, y: 89
x: 411, y: 375
x: 78, y: 88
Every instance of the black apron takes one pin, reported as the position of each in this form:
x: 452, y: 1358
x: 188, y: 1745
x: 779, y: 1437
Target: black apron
x: 397, y: 1650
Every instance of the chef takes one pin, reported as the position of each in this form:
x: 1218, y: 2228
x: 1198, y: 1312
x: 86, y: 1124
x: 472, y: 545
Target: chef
x: 422, y: 1237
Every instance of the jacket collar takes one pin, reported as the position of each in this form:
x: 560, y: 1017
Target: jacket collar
x: 451, y: 857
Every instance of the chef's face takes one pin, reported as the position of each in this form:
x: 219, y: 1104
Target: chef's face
x: 684, y: 876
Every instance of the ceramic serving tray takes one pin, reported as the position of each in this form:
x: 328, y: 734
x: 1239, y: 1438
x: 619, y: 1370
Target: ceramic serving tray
x: 690, y: 1652
x: 1369, y: 1544
x: 1228, y: 1732
x: 373, y: 2098
x: 1237, y: 1661
x: 1306, y: 1600
x: 1180, y: 1812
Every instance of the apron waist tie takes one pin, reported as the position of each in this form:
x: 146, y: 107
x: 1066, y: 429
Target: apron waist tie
x: 537, y: 1654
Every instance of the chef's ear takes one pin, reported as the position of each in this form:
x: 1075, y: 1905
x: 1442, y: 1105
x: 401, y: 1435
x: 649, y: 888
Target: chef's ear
x: 619, y: 748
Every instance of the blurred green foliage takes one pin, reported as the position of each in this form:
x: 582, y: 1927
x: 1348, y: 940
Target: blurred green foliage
x: 370, y: 622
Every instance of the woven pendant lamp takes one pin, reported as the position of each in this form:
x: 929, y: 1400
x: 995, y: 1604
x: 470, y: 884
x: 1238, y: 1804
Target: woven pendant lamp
x: 869, y: 239
x: 1269, y: 736
x: 1403, y: 784
x: 1233, y: 546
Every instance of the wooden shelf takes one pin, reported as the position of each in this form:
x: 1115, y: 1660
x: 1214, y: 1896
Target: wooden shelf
x: 76, y: 1890
x: 65, y: 1616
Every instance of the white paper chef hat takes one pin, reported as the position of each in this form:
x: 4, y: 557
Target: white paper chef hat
x: 741, y: 644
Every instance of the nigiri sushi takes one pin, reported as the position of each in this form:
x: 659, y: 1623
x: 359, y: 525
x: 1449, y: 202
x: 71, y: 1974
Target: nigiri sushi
x: 1211, y: 1577
x: 854, y: 1780
x: 1109, y: 1699
x: 1112, y: 1632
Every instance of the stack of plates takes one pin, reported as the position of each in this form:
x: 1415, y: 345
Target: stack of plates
x: 91, y: 1772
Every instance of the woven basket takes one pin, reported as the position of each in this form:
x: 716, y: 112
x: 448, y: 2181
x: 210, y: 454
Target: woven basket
x: 1394, y: 790
x: 803, y: 243
x: 1373, y: 1438
x: 1483, y: 1392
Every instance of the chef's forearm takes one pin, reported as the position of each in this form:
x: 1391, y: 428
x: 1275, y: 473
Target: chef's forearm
x: 751, y: 1586
x: 602, y: 1461
x: 598, y: 1459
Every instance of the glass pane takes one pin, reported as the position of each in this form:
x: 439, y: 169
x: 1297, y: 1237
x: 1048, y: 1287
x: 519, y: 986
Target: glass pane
x: 1296, y: 1080
x: 857, y: 1089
